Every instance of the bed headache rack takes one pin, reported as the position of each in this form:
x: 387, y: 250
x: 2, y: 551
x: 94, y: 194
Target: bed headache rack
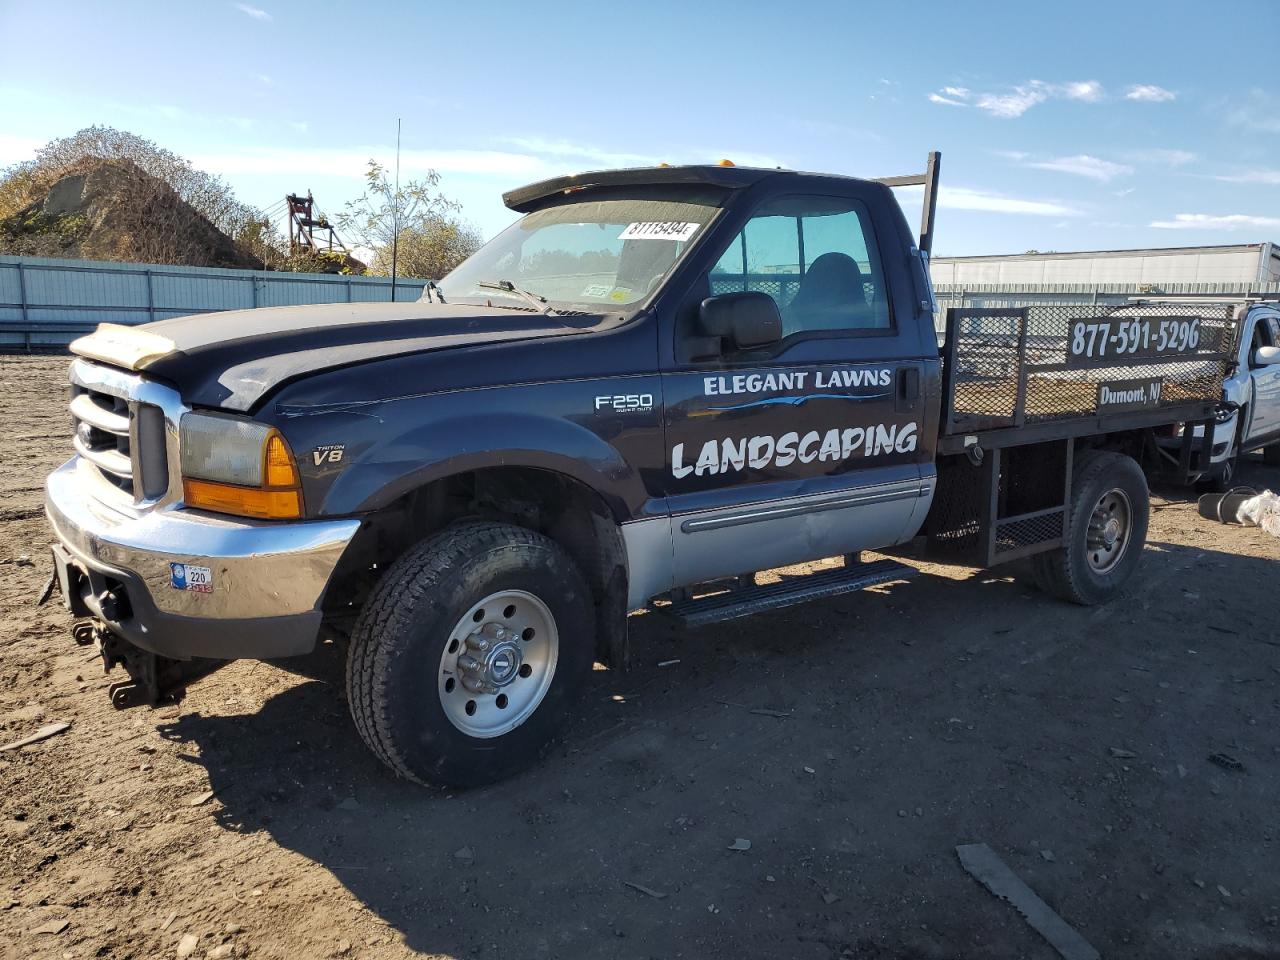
x: 928, y: 180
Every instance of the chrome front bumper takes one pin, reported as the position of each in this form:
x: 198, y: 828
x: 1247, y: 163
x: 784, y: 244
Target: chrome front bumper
x: 132, y: 571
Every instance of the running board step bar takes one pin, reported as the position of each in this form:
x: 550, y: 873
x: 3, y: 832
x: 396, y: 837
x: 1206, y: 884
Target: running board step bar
x: 745, y: 601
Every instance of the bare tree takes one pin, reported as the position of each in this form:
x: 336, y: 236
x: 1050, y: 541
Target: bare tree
x: 417, y: 209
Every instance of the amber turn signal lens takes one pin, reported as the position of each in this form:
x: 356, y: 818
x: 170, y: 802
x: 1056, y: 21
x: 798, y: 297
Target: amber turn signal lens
x: 280, y: 470
x: 242, y: 501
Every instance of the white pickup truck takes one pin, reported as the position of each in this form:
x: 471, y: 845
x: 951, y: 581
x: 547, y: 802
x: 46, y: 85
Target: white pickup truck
x: 1250, y: 417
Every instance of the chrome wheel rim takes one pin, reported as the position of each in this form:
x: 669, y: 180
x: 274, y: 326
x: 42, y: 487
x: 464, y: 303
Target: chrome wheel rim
x: 498, y: 663
x: 1110, y: 523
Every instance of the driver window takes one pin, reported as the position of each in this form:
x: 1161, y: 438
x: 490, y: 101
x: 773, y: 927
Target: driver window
x: 817, y: 258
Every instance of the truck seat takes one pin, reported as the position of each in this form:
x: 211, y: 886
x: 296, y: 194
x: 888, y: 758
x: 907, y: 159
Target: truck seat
x: 831, y: 297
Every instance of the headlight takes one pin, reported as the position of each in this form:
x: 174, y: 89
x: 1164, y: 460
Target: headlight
x: 239, y: 466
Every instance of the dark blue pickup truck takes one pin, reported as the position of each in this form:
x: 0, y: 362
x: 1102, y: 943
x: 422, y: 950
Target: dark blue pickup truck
x: 655, y: 384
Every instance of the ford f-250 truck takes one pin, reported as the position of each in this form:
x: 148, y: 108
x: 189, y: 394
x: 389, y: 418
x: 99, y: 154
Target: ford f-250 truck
x: 654, y: 384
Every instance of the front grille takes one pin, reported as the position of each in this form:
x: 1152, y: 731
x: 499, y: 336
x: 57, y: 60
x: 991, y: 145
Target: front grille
x: 119, y: 434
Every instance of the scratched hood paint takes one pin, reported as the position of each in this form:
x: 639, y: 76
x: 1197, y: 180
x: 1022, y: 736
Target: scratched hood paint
x: 234, y: 359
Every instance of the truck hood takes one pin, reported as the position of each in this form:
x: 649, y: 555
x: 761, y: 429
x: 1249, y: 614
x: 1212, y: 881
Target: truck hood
x: 235, y: 358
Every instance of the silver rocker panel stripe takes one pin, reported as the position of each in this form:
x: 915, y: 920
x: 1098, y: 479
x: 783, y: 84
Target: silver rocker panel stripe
x: 799, y: 506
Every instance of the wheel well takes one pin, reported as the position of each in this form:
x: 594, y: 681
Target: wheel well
x: 560, y: 507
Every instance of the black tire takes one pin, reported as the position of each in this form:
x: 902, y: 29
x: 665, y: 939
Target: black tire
x: 394, y: 664
x: 1223, y: 477
x: 1271, y: 455
x: 1066, y: 572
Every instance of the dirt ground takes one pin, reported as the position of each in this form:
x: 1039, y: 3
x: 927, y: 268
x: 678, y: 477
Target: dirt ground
x: 960, y: 707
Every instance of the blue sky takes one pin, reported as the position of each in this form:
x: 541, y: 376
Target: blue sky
x: 1062, y: 126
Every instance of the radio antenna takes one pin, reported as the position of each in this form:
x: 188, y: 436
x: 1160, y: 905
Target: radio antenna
x: 395, y: 217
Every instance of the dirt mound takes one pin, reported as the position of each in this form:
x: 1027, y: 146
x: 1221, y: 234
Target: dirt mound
x: 100, y: 209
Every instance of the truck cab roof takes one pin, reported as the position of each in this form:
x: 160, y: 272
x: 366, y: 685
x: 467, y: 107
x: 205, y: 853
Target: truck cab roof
x: 725, y: 178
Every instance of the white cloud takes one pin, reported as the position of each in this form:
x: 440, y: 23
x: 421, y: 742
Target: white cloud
x: 970, y: 198
x: 1123, y: 193
x: 533, y: 159
x: 583, y: 152
x: 1206, y: 221
x: 1169, y: 158
x: 1015, y: 104
x: 299, y: 126
x: 1090, y: 91
x: 1083, y: 165
x: 1258, y: 111
x: 351, y: 162
x: 1149, y: 93
x: 568, y: 155
x: 257, y: 13
x: 965, y: 198
x: 1253, y: 176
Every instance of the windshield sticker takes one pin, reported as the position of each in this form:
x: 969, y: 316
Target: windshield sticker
x: 620, y: 294
x: 597, y: 290
x: 659, y: 230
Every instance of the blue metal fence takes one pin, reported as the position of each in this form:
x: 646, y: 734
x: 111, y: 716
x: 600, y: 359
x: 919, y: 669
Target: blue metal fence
x: 45, y: 303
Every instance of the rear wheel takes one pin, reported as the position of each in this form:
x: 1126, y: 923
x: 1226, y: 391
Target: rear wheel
x: 468, y: 654
x: 1106, y: 530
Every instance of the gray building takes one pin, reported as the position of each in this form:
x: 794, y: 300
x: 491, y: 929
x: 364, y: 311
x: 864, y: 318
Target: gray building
x: 1245, y: 263
x: 1105, y: 276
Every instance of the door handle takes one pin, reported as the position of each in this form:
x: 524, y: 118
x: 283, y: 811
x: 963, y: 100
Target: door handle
x: 908, y: 389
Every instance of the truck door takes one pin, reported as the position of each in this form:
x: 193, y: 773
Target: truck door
x: 816, y: 445
x: 1264, y: 414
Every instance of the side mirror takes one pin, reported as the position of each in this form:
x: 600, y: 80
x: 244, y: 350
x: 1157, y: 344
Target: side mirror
x: 1262, y: 357
x: 746, y: 320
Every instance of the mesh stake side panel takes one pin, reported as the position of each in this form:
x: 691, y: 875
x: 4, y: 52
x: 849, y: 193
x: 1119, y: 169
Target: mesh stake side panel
x: 1037, y: 364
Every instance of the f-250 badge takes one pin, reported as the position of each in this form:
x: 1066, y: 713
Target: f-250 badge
x: 330, y: 453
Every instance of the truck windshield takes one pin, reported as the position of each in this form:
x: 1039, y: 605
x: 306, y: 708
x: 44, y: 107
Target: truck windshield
x: 589, y: 254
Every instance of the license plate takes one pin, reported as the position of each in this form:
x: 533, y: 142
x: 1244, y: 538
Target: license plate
x: 188, y: 576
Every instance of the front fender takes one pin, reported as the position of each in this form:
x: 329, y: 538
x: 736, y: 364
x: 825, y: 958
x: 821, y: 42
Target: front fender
x: 392, y: 447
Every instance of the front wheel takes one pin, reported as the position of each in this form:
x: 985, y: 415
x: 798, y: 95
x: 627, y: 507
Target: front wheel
x: 1223, y: 476
x: 1105, y: 533
x: 468, y: 654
